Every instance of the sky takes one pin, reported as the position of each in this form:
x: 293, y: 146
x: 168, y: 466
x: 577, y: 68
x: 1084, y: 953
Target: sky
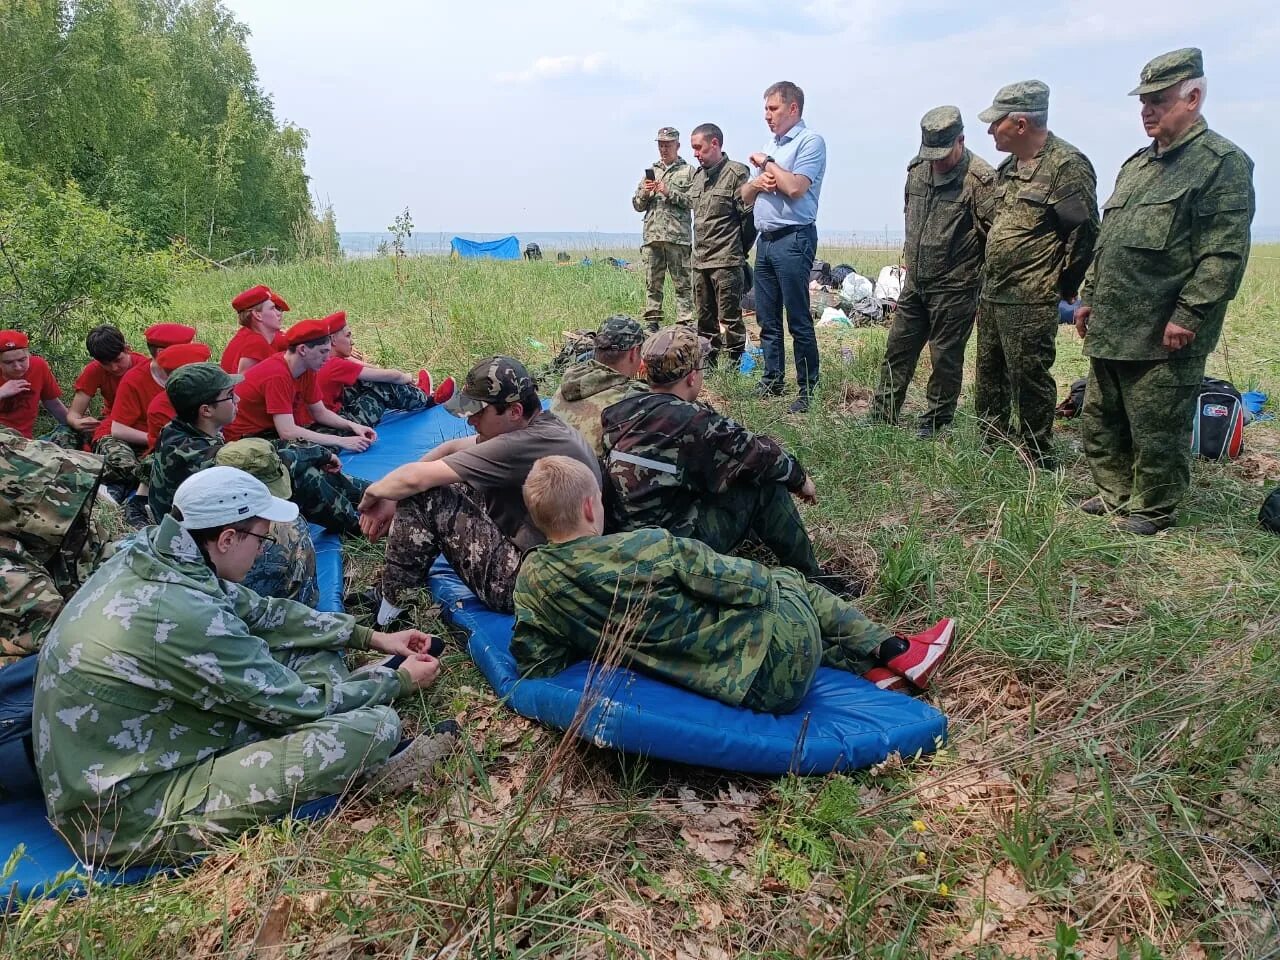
x: 501, y: 116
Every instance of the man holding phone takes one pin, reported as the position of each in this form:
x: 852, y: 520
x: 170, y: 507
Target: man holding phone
x: 663, y: 198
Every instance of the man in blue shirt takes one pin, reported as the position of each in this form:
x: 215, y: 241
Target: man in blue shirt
x: 785, y: 198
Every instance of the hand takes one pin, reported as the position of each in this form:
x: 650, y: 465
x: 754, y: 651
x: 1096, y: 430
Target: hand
x: 808, y: 493
x: 83, y: 423
x: 360, y: 430
x: 649, y: 186
x: 423, y: 670
x: 12, y: 388
x: 402, y: 643
x: 1082, y: 319
x: 767, y: 183
x: 1176, y: 337
x: 661, y: 187
x: 376, y: 515
x: 407, y: 378
x: 356, y: 444
x: 332, y: 465
x: 758, y: 159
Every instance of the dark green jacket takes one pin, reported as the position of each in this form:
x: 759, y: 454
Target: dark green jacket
x: 947, y: 223
x: 718, y: 212
x: 1173, y: 247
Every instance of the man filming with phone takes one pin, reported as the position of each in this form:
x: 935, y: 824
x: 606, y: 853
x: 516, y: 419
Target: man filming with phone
x: 663, y: 198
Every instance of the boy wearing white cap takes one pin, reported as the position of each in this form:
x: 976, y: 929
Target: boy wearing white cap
x: 174, y: 706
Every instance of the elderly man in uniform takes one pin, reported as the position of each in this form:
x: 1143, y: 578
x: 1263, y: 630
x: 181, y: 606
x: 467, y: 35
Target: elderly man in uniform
x: 602, y: 380
x: 1173, y: 248
x: 719, y: 251
x: 664, y: 201
x: 949, y: 202
x: 1038, y: 248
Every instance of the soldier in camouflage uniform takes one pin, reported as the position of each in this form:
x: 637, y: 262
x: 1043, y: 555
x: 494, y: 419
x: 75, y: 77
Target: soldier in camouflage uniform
x: 174, y: 706
x: 1171, y: 254
x: 676, y: 464
x: 463, y: 499
x: 590, y: 386
x: 949, y: 204
x: 724, y: 627
x: 1038, y: 248
x: 664, y: 201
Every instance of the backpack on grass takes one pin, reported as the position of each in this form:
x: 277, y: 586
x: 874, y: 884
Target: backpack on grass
x: 1218, y: 427
x: 1269, y: 515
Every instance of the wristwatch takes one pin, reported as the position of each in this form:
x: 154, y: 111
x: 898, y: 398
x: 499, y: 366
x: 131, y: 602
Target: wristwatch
x: 767, y: 161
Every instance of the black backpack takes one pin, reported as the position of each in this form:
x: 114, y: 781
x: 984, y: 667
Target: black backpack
x: 1218, y: 431
x: 1269, y: 515
x: 532, y: 252
x: 821, y: 272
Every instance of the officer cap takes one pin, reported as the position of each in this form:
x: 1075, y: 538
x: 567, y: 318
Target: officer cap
x: 1169, y: 68
x: 1025, y: 96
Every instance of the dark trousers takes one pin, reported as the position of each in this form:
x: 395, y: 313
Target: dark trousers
x: 943, y: 320
x: 1017, y: 344
x: 782, y: 283
x: 717, y: 299
x: 766, y: 513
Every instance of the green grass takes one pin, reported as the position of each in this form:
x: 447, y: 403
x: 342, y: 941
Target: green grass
x: 1109, y: 790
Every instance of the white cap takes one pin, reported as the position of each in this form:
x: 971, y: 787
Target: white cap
x: 222, y: 495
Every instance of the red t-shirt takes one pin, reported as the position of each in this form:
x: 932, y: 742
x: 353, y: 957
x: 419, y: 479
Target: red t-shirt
x: 95, y: 378
x: 336, y: 375
x: 159, y: 412
x: 136, y: 391
x: 19, y: 412
x: 269, y: 388
x: 245, y: 345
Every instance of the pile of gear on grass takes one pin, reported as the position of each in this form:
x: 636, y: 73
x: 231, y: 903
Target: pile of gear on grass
x: 839, y: 296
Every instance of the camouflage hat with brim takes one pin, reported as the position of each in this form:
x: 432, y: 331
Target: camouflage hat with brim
x: 495, y: 379
x: 619, y: 332
x: 198, y: 383
x: 1025, y: 96
x: 940, y: 128
x: 1169, y: 68
x: 258, y: 457
x: 668, y: 133
x: 673, y: 353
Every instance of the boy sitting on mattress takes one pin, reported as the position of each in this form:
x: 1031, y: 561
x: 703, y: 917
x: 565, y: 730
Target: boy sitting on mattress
x: 724, y: 627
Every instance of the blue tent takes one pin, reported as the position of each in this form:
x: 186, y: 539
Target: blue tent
x: 508, y: 248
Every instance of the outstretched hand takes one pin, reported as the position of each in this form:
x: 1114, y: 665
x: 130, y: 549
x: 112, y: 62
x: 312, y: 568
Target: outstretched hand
x: 376, y: 515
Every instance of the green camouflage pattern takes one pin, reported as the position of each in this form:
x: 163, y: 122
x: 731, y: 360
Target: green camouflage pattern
x: 587, y: 388
x: 717, y: 301
x: 672, y: 354
x: 67, y: 438
x: 948, y: 217
x: 718, y: 212
x: 1024, y: 96
x: 496, y: 379
x: 1017, y: 345
x: 667, y: 219
x: 181, y: 450
x: 1164, y: 71
x: 366, y: 402
x: 1043, y: 228
x: 939, y: 130
x: 619, y: 332
x: 173, y: 708
x: 1173, y: 248
x: 287, y: 568
x: 662, y: 258
x: 122, y: 463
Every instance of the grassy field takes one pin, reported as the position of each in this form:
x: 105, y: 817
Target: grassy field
x: 1110, y: 788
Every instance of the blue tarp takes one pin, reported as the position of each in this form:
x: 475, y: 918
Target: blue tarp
x: 508, y: 248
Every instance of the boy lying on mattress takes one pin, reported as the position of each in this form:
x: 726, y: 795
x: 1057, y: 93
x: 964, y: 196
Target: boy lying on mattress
x: 724, y: 627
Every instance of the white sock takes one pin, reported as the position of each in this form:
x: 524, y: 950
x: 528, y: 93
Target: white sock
x: 388, y: 612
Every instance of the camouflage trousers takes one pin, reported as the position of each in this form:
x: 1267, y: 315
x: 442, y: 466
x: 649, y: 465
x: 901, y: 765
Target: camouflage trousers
x: 365, y: 402
x: 29, y: 601
x: 287, y: 568
x: 661, y: 258
x: 120, y: 464
x: 1017, y: 344
x: 943, y: 320
x: 1136, y: 428
x: 812, y: 627
x: 717, y: 297
x: 450, y: 521
x: 170, y: 817
x: 324, y: 498
x: 765, y: 513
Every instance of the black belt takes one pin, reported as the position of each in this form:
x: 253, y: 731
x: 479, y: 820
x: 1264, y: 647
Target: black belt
x: 772, y: 235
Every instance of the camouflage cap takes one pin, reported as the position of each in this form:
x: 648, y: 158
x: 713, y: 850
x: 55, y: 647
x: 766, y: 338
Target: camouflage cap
x: 619, y: 332
x: 495, y: 379
x: 673, y: 353
x: 668, y: 133
x: 1025, y: 96
x: 258, y: 457
x: 198, y: 383
x: 1169, y: 68
x: 939, y: 130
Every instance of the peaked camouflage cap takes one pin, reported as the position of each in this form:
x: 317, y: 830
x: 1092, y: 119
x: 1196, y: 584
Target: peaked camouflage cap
x: 496, y: 379
x: 619, y: 332
x: 257, y: 457
x: 668, y: 133
x: 1169, y: 68
x: 198, y: 383
x: 1025, y: 96
x: 939, y: 130
x: 673, y: 353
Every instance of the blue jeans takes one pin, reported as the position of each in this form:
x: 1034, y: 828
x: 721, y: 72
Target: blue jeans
x: 17, y: 692
x: 782, y: 282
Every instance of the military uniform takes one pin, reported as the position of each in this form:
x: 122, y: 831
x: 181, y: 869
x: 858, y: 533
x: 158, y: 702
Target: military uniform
x: 1173, y: 249
x: 718, y: 254
x: 1038, y: 248
x: 724, y: 627
x: 366, y: 402
x: 947, y: 219
x: 590, y: 386
x: 667, y: 232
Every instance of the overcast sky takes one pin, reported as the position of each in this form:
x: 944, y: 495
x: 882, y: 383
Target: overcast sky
x: 499, y: 116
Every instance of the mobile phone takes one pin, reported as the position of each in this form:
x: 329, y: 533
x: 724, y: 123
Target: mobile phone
x: 648, y: 173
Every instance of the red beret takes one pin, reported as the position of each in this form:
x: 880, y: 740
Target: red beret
x: 304, y: 330
x: 250, y: 298
x: 336, y: 321
x: 179, y: 355
x: 279, y: 302
x: 13, y: 340
x: 169, y: 334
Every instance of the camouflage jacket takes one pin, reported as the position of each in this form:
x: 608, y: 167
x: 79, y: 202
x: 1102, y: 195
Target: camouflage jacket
x: 287, y: 568
x: 718, y: 212
x: 155, y: 665
x: 1173, y: 247
x: 666, y: 219
x: 49, y: 541
x: 664, y: 454
x: 947, y: 224
x: 679, y: 610
x: 1045, y: 224
x: 181, y: 450
x: 587, y: 388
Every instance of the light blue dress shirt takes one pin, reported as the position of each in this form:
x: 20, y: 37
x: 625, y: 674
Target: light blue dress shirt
x: 801, y: 151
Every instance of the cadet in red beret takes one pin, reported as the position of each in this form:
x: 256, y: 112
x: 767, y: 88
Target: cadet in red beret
x: 260, y: 311
x: 161, y: 335
x: 362, y: 392
x: 160, y: 411
x: 280, y: 396
x: 26, y: 384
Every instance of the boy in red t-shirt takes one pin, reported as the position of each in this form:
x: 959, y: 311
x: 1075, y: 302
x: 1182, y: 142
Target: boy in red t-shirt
x: 111, y: 360
x: 260, y: 311
x: 362, y: 392
x: 26, y: 384
x: 160, y: 410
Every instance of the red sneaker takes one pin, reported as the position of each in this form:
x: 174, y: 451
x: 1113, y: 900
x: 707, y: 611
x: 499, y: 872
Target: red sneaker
x: 886, y: 680
x: 424, y: 382
x: 924, y: 653
x: 445, y: 390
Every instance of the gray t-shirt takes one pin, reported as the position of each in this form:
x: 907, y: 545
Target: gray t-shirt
x: 497, y: 469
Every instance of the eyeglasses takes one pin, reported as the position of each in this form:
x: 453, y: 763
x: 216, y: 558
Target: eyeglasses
x: 230, y: 396
x: 264, y: 540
